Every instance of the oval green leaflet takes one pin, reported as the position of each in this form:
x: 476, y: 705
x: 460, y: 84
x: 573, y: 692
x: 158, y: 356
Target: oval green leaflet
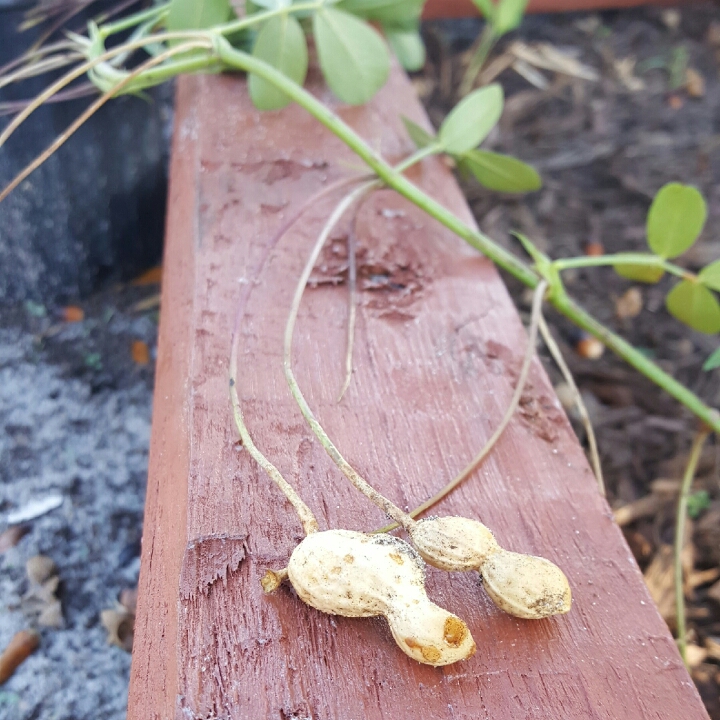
x: 407, y: 46
x: 353, y: 57
x: 280, y: 43
x: 675, y: 219
x: 501, y: 173
x: 198, y: 14
x: 693, y: 304
x: 710, y: 275
x: 471, y: 120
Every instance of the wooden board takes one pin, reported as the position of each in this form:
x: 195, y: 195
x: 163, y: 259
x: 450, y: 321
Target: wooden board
x: 438, y: 348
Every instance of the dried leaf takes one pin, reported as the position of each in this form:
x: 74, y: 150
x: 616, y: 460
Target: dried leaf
x: 695, y: 655
x: 140, y: 352
x: 643, y: 507
x: 18, y: 650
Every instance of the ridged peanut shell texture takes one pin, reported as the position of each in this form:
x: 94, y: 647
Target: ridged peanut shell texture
x: 455, y: 544
x: 526, y: 586
x: 348, y: 573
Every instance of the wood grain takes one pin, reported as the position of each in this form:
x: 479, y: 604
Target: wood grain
x: 438, y: 347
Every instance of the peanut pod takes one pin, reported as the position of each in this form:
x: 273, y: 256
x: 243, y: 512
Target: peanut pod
x: 523, y: 585
x: 342, y: 572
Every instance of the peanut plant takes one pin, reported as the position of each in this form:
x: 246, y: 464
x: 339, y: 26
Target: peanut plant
x: 269, y: 43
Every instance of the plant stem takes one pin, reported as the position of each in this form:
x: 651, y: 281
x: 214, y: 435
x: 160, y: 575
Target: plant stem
x: 94, y: 107
x: 679, y: 544
x: 485, y: 44
x: 644, y: 259
x: 388, y: 507
x: 535, y: 318
x: 554, y: 349
x: 506, y: 260
x: 417, y: 156
x: 158, y: 12
x: 305, y: 515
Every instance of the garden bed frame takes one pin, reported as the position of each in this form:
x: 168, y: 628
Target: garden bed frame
x: 439, y: 344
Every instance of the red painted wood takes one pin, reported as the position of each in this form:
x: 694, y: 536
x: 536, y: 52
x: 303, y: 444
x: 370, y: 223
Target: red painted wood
x: 438, y: 347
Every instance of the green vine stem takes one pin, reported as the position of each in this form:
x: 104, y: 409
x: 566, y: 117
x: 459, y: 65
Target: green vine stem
x: 644, y: 259
x: 482, y: 49
x: 679, y: 544
x: 392, y: 178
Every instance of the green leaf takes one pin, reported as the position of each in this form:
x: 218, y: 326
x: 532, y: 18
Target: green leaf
x: 471, y: 120
x: 710, y: 275
x: 408, y: 47
x: 693, y: 304
x: 486, y: 8
x: 713, y: 361
x: 280, y: 43
x: 641, y: 273
x: 198, y: 14
x: 500, y: 172
x: 353, y: 57
x: 420, y: 137
x: 400, y: 14
x: 697, y: 502
x: 675, y: 219
x: 272, y: 4
x: 508, y: 15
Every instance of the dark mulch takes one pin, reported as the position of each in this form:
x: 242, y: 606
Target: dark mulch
x: 604, y: 148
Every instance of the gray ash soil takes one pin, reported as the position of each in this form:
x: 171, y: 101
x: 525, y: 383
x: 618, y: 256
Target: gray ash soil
x: 75, y: 415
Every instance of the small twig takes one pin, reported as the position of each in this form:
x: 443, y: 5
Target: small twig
x: 554, y: 349
x: 388, y: 507
x: 687, y: 481
x: 514, y: 401
x: 94, y: 107
x: 53, y: 62
x: 352, y: 309
x: 79, y: 91
x: 307, y: 519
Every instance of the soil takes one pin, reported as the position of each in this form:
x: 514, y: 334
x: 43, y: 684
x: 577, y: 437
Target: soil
x: 75, y: 412
x: 604, y: 148
x: 75, y: 405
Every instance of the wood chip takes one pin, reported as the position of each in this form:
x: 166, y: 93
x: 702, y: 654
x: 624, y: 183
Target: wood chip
x: 18, y: 650
x: 694, y: 83
x: 11, y: 536
x: 140, y: 352
x: 153, y: 276
x: 73, y: 314
x: 630, y: 304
